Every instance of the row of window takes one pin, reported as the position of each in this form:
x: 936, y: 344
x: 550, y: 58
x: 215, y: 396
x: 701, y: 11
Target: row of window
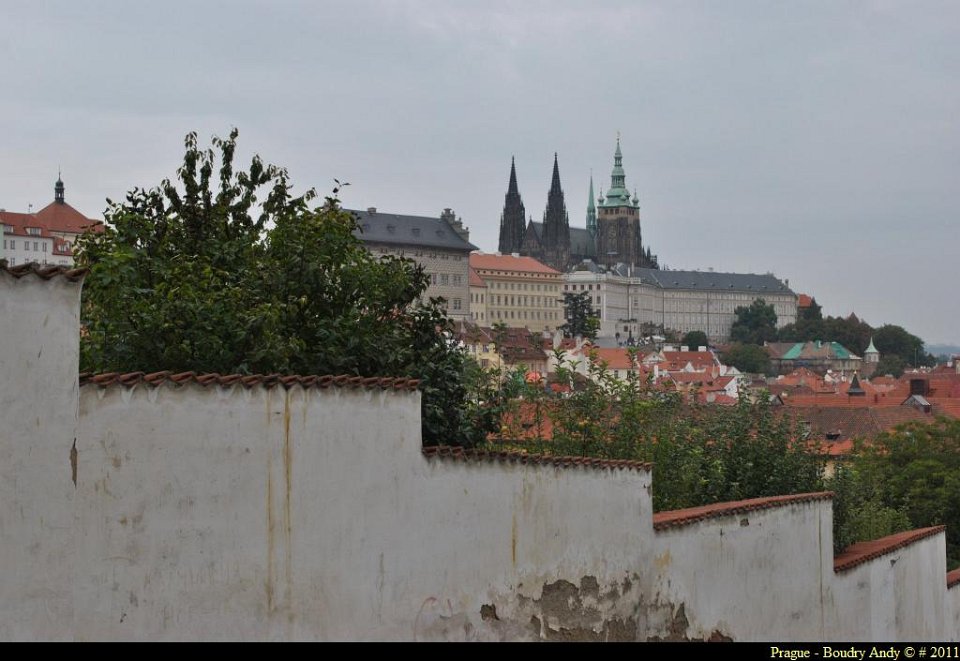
x: 419, y: 253
x: 522, y: 286
x: 12, y: 261
x: 542, y: 301
x: 526, y: 315
x: 445, y: 279
x: 11, y: 244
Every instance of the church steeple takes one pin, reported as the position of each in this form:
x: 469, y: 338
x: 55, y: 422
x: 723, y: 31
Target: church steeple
x: 591, y: 212
x: 618, y: 195
x: 556, y: 223
x: 58, y: 191
x: 512, y: 220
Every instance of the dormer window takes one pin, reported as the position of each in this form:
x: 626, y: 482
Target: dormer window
x: 391, y: 228
x: 33, y: 231
x: 416, y: 231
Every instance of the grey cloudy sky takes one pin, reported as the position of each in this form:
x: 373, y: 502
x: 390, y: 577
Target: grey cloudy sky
x: 817, y: 140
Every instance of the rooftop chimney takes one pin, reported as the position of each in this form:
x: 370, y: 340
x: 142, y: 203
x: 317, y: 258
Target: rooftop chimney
x: 371, y: 210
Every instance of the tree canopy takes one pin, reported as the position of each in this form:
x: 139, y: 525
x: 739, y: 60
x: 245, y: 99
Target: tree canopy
x: 755, y: 324
x: 747, y: 358
x: 582, y: 319
x: 226, y: 270
x: 695, y: 339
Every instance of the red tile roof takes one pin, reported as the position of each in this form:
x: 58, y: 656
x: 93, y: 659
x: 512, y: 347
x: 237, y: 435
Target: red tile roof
x: 685, y: 517
x: 474, y: 279
x: 131, y: 379
x: 615, y: 358
x: 861, y: 552
x: 804, y: 301
x: 953, y: 578
x: 58, y: 217
x: 45, y: 271
x: 509, y: 263
x: 18, y: 224
x: 516, y: 456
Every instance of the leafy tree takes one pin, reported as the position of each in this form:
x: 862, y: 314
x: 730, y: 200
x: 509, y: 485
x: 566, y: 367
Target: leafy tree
x: 890, y: 364
x: 859, y: 512
x: 701, y: 454
x: 893, y: 340
x: 916, y: 469
x: 755, y: 324
x: 695, y: 339
x: 582, y: 319
x: 812, y: 313
x: 227, y: 271
x: 747, y: 358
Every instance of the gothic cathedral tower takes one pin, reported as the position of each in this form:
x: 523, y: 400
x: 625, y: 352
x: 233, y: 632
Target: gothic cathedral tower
x: 556, y: 225
x: 618, y: 222
x: 513, y: 219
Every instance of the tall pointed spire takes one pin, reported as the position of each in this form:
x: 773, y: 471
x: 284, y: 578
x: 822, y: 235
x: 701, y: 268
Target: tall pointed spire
x: 618, y: 195
x: 591, y: 212
x: 556, y: 223
x: 512, y: 220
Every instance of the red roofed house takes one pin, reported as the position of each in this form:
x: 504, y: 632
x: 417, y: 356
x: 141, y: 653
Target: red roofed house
x: 521, y: 292
x: 45, y: 237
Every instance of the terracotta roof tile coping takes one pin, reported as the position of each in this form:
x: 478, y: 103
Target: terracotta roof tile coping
x: 685, y: 517
x: 45, y: 271
x: 154, y: 379
x: 861, y: 552
x: 514, y: 456
x: 953, y: 578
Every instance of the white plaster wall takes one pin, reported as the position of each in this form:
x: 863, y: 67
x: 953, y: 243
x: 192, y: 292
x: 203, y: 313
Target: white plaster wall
x: 952, y: 610
x: 38, y: 418
x: 899, y: 596
x: 753, y: 576
x: 211, y: 513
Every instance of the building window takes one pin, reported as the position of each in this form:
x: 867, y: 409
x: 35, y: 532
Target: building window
x: 444, y: 279
x: 44, y: 246
x: 36, y: 248
x: 456, y: 304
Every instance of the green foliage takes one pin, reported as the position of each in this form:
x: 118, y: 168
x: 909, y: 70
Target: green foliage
x: 695, y: 339
x: 755, y: 324
x: 701, y: 454
x: 892, y: 365
x: 582, y: 319
x: 859, y: 512
x: 893, y: 340
x: 812, y: 313
x: 916, y: 469
x: 227, y: 271
x: 748, y: 358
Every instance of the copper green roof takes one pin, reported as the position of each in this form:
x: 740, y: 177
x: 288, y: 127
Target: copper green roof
x: 871, y: 348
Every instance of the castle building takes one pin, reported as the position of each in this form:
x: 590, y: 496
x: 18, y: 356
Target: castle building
x: 612, y: 233
x: 440, y: 245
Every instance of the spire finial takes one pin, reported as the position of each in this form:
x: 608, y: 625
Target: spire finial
x: 58, y: 190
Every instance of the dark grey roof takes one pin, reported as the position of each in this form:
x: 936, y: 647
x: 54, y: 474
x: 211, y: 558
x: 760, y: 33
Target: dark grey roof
x: 581, y: 245
x: 743, y: 282
x: 379, y: 227
x: 698, y: 280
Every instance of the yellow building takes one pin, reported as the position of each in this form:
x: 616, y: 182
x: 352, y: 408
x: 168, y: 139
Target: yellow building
x: 521, y: 292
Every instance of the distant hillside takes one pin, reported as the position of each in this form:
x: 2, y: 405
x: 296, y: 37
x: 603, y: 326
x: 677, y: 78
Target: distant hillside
x: 937, y: 349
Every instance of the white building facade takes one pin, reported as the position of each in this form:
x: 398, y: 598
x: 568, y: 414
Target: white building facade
x: 626, y: 299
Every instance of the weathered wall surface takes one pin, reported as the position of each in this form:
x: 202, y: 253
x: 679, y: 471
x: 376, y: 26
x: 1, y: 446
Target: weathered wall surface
x: 38, y: 417
x: 214, y: 509
x: 749, y: 575
x: 882, y: 599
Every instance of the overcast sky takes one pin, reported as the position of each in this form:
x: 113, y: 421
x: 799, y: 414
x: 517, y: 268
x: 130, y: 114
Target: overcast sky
x: 816, y: 140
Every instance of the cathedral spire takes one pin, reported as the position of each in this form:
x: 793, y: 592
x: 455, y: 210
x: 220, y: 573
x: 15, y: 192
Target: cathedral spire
x: 591, y: 212
x: 617, y: 195
x: 512, y: 220
x: 556, y: 224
